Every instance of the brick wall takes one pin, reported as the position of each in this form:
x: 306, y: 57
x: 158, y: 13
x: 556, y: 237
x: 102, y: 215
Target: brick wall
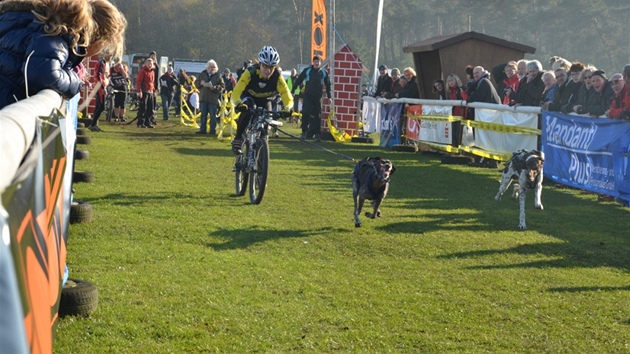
x: 90, y: 66
x: 347, y: 85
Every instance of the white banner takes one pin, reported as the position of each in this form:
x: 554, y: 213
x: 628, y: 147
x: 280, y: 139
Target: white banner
x: 505, y: 142
x: 371, y: 115
x: 436, y: 131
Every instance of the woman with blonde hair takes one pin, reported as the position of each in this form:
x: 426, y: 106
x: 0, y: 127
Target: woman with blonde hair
x: 44, y: 40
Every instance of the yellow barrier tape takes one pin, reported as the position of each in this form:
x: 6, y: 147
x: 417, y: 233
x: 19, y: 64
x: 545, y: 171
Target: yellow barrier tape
x: 227, y: 117
x: 448, y: 148
x: 487, y: 154
x: 339, y: 135
x: 188, y: 117
x: 433, y: 117
x: 502, y: 128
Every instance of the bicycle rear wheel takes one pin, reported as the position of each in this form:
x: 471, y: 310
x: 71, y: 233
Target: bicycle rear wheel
x: 240, y: 169
x: 258, y: 175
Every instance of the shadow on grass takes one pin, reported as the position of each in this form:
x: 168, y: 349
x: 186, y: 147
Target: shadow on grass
x: 589, y: 288
x: 243, y: 238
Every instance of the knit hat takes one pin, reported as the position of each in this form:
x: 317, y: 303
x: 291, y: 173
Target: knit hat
x: 317, y: 58
x: 601, y: 73
x: 382, y: 67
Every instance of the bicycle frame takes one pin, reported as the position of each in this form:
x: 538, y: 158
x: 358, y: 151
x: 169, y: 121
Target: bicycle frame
x: 254, y: 161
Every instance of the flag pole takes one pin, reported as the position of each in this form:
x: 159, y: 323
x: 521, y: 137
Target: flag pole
x: 332, y: 53
x: 378, y: 42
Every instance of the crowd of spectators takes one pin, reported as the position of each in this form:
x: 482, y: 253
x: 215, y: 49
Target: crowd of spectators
x: 566, y: 87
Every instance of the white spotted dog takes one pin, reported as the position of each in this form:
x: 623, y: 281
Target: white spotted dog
x: 526, y: 167
x: 370, y: 180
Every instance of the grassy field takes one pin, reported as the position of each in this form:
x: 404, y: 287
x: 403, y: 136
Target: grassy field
x: 184, y: 266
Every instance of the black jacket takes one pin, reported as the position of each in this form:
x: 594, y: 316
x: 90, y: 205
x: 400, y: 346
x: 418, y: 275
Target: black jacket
x: 484, y: 92
x: 314, y: 80
x: 411, y: 90
x: 383, y: 86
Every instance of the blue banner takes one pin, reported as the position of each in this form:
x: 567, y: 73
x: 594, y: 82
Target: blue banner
x: 390, y: 124
x: 586, y: 153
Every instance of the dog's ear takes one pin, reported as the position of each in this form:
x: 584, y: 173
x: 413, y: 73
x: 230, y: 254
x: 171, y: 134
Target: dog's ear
x: 393, y: 170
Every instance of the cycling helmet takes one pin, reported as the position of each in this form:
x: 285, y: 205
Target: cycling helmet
x: 269, y: 56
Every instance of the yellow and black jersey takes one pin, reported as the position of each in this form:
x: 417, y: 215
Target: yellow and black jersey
x: 251, y: 84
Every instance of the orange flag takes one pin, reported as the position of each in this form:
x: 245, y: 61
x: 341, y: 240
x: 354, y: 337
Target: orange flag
x: 318, y: 33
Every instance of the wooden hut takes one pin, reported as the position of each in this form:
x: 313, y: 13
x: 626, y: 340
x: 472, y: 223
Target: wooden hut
x: 437, y: 57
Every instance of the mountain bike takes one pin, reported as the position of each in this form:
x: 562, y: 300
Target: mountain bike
x: 252, y: 165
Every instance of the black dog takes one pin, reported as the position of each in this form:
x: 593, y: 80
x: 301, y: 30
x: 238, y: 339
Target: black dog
x: 370, y: 180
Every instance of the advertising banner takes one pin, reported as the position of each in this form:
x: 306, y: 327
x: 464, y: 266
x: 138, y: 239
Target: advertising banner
x: 390, y: 124
x: 35, y: 205
x: 586, y: 153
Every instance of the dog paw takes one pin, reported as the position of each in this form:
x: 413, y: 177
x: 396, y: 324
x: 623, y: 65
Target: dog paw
x: 539, y: 206
x: 357, y: 224
x: 497, y: 197
x: 369, y: 215
x: 522, y: 227
x: 378, y: 213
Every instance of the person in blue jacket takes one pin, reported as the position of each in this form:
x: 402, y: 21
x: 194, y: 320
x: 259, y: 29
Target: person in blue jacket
x: 41, y: 41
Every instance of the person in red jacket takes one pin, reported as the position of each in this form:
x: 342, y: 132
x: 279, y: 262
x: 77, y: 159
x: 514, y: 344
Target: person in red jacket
x: 145, y: 85
x: 620, y: 106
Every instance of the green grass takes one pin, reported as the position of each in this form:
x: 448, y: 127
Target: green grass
x: 184, y: 266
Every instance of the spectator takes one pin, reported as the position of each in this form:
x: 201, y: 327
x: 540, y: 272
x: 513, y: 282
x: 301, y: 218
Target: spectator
x: 102, y: 78
x: 246, y: 64
x: 549, y: 79
x: 521, y: 69
x: 40, y: 33
x: 119, y: 79
x: 438, y: 89
x: 585, y: 91
x: 364, y: 90
x: 228, y: 80
x: 565, y: 90
x: 291, y: 84
x: 511, y: 82
x: 484, y: 91
x: 156, y: 84
x: 396, y: 85
x: 561, y: 62
x: 456, y: 92
x: 470, y: 80
x: 620, y: 106
x: 168, y: 84
x: 210, y: 86
x: 314, y: 78
x: 553, y: 60
x: 384, y: 82
x: 603, y: 95
x: 531, y: 87
x: 574, y: 75
x: 182, y: 79
x: 146, y: 94
x: 411, y: 88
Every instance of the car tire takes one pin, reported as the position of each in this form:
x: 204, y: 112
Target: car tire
x: 84, y: 140
x: 83, y: 176
x: 78, y: 298
x: 81, y: 212
x: 81, y: 154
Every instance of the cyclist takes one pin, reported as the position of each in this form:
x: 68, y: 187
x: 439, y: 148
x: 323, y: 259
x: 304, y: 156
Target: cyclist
x: 257, y: 84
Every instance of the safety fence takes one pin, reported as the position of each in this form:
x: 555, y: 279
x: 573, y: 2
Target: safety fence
x: 581, y: 152
x: 37, y: 144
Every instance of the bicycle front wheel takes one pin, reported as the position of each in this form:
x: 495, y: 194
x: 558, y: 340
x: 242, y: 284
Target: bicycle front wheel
x: 258, y: 174
x: 240, y: 169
